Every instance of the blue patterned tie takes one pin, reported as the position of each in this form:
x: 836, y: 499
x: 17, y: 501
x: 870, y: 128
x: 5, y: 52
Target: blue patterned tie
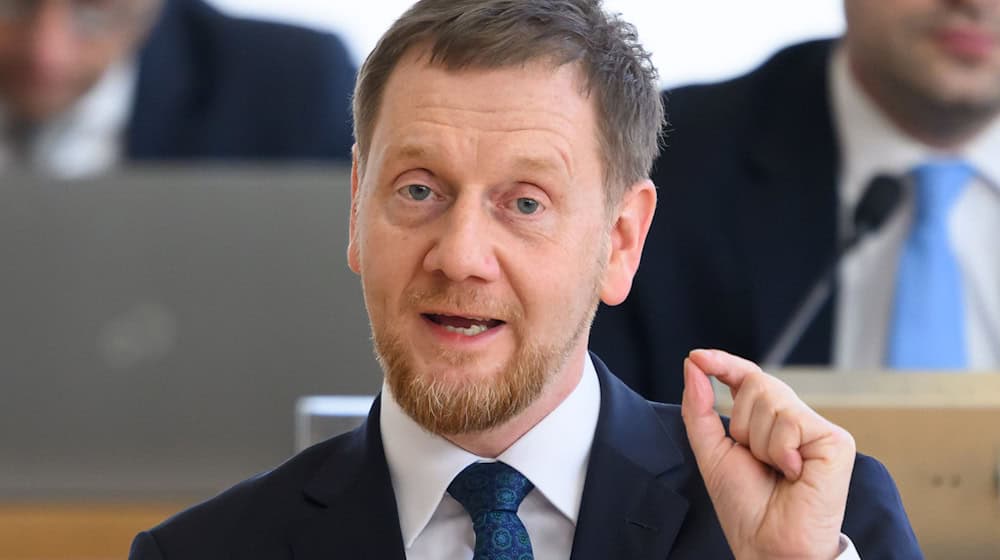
x: 928, y: 322
x: 491, y: 494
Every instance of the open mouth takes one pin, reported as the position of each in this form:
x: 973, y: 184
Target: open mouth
x: 468, y: 326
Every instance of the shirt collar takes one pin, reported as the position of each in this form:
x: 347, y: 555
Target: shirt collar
x: 873, y: 144
x: 984, y: 154
x: 553, y: 456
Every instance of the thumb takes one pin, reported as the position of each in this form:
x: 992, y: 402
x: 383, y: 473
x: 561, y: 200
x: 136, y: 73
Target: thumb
x: 704, y: 427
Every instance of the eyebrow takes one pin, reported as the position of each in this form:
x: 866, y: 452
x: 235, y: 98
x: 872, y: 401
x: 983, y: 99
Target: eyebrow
x: 411, y: 151
x: 542, y: 165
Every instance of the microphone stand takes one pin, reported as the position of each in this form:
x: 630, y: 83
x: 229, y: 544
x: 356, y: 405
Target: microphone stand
x: 807, y: 309
x: 880, y: 199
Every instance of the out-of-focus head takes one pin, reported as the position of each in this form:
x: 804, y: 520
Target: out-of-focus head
x: 53, y: 51
x: 936, y: 60
x: 617, y: 72
x: 500, y: 189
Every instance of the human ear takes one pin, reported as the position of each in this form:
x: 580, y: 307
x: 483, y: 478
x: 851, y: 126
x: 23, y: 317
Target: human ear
x: 628, y: 236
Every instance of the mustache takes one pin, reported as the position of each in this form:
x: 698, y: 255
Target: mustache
x: 466, y: 300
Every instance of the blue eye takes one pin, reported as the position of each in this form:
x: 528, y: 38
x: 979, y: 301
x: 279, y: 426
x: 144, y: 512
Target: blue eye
x: 527, y: 205
x: 418, y: 192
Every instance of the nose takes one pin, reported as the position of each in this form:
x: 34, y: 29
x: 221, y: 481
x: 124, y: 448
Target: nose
x: 464, y: 247
x: 51, y: 41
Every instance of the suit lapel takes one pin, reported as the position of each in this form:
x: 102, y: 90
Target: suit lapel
x: 631, y: 504
x: 360, y: 518
x: 794, y: 203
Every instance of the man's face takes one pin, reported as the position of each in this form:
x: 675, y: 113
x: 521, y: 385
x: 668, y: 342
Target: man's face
x: 481, y: 237
x: 53, y: 51
x: 945, y: 51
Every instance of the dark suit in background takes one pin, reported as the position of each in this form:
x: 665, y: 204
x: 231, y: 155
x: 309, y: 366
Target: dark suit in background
x: 212, y: 86
x: 643, y: 499
x: 746, y: 220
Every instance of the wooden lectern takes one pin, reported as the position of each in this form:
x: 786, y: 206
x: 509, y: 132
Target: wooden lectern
x: 939, y: 436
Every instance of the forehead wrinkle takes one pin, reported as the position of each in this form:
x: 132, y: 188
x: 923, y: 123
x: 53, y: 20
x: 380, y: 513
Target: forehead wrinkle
x: 558, y: 137
x: 540, y: 113
x: 423, y: 146
x: 420, y: 141
x: 512, y: 118
x: 527, y: 157
x: 545, y: 165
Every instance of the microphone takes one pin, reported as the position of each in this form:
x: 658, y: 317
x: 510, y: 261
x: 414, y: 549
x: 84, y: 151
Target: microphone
x: 880, y: 199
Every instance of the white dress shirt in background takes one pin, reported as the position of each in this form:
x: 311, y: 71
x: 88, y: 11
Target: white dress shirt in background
x: 86, y: 139
x: 870, y: 144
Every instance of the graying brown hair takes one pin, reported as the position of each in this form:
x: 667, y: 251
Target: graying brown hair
x: 617, y: 71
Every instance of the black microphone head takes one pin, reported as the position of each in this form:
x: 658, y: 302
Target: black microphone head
x: 881, y: 197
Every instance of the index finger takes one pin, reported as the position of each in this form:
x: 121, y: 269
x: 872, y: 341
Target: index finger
x: 729, y: 369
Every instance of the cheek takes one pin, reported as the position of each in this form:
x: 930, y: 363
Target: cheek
x: 8, y: 45
x: 388, y: 261
x: 556, y: 285
x: 377, y: 253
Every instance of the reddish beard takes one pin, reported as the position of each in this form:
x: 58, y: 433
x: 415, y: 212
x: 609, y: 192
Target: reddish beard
x: 481, y: 400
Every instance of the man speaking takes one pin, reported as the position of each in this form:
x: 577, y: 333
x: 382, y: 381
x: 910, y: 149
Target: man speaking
x: 500, y: 190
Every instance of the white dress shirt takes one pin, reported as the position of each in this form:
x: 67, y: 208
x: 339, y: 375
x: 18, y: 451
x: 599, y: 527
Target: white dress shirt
x: 871, y: 144
x: 553, y: 456
x: 87, y: 138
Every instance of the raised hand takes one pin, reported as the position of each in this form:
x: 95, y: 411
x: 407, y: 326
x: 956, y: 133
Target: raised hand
x: 779, y: 483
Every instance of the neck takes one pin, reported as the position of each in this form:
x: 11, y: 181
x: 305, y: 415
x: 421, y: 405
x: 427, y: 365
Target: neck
x: 493, y: 442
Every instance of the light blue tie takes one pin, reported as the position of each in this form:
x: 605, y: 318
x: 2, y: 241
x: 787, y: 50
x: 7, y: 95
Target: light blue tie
x: 928, y: 321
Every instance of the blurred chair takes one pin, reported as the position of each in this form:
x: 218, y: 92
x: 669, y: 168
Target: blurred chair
x: 321, y: 417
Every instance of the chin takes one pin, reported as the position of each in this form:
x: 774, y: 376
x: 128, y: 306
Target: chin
x: 461, y: 396
x: 41, y: 107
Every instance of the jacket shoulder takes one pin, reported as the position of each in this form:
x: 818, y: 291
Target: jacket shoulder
x: 673, y: 424
x: 742, y: 99
x: 291, y: 50
x: 255, y: 506
x: 214, y: 85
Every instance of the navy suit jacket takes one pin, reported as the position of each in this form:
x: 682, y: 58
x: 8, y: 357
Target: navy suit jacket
x: 643, y: 499
x: 745, y: 223
x: 212, y: 86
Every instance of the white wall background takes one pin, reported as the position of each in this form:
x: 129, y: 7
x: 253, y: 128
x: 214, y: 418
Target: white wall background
x: 691, y: 40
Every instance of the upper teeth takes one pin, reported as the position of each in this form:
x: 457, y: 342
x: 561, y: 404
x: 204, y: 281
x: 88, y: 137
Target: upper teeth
x: 467, y: 331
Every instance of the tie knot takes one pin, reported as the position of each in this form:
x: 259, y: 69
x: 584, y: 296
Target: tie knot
x: 938, y: 185
x: 485, y: 487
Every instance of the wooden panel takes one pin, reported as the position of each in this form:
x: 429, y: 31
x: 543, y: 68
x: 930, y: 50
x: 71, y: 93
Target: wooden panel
x: 939, y: 436
x: 945, y: 463
x: 77, y: 531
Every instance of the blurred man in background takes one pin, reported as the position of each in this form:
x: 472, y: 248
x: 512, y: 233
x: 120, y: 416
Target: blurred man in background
x: 761, y: 176
x: 85, y: 84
